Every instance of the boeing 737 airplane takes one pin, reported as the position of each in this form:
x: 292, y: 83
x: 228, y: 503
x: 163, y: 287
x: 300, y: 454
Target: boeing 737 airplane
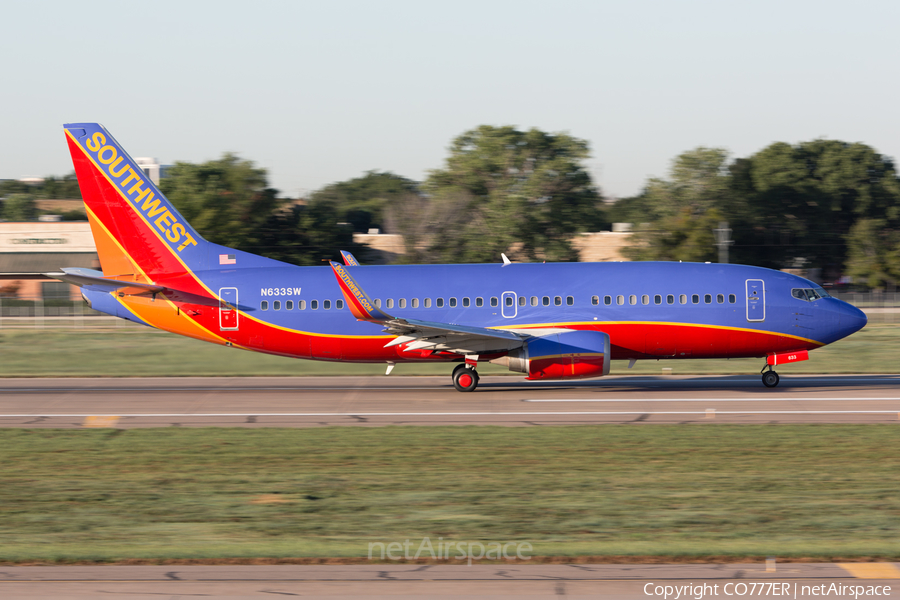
x: 549, y: 321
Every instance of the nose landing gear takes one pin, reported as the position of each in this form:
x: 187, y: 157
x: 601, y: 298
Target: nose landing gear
x: 465, y: 378
x: 769, y: 378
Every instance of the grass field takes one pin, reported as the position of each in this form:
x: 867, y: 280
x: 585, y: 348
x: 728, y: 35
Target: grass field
x: 132, y: 352
x: 817, y: 491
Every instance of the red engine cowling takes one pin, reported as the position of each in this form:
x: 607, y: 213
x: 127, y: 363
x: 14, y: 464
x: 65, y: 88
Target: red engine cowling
x: 567, y: 355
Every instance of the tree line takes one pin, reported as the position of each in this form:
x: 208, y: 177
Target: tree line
x: 822, y: 204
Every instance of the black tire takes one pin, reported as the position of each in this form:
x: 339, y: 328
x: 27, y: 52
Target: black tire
x: 770, y: 379
x: 465, y: 379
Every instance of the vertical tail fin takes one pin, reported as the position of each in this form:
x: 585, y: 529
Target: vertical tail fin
x: 136, y: 229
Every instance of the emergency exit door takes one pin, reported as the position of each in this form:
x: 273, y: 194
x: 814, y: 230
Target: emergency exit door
x: 756, y: 300
x: 228, y: 313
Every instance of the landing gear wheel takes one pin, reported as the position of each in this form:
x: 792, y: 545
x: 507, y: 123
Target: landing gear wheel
x: 465, y: 379
x: 770, y: 379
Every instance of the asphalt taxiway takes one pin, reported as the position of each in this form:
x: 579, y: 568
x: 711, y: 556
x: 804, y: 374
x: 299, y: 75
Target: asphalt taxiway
x: 378, y: 401
x: 444, y: 581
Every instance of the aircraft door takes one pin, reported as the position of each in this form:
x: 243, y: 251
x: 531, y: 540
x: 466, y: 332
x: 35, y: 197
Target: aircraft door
x: 756, y: 300
x: 228, y: 313
x: 508, y: 305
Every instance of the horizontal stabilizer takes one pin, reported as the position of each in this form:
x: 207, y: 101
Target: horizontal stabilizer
x: 80, y: 277
x: 23, y: 276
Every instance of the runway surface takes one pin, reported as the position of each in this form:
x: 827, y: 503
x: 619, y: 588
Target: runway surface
x: 379, y: 401
x: 442, y: 581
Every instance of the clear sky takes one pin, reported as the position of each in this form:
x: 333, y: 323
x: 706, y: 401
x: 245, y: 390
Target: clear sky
x: 317, y: 92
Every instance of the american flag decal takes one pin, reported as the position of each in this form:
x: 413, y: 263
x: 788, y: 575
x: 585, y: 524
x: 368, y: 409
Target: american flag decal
x: 227, y: 259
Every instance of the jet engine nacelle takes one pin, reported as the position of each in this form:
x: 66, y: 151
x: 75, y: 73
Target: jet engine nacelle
x: 567, y: 355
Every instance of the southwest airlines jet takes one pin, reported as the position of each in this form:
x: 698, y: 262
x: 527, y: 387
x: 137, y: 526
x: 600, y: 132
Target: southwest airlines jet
x: 549, y: 321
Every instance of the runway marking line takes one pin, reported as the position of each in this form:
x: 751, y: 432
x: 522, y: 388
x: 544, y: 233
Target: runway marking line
x: 872, y: 570
x: 743, y: 399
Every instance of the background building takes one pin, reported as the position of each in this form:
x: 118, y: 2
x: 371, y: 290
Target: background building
x: 39, y: 247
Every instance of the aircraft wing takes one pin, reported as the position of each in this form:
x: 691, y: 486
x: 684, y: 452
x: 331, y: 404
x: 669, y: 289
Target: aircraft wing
x: 349, y: 259
x: 425, y: 335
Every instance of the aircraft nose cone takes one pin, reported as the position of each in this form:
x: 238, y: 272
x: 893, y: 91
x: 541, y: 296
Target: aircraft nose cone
x: 852, y: 319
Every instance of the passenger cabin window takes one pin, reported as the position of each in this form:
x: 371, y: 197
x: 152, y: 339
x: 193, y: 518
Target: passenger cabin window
x: 670, y: 299
x: 720, y: 298
x: 479, y: 301
x: 509, y: 301
x: 557, y: 300
x: 301, y: 305
x: 645, y: 299
x: 326, y: 304
x: 339, y: 304
x: 545, y: 300
x: 378, y: 302
x: 732, y: 298
x: 389, y: 302
x: 400, y: 303
x: 414, y: 303
x: 632, y: 299
x: 264, y: 305
x: 427, y: 302
x: 314, y: 305
x: 695, y: 298
x: 452, y: 302
x: 289, y: 305
x: 682, y: 299
x: 570, y: 301
x: 620, y: 300
x: 595, y: 300
x: 494, y: 301
x: 439, y: 302
x: 534, y: 300
x: 466, y: 302
x: 522, y: 300
x: 607, y: 300
x: 276, y: 305
x: 657, y: 299
x: 707, y: 299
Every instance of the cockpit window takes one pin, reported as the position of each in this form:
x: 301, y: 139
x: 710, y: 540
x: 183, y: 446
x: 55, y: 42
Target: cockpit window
x: 809, y: 294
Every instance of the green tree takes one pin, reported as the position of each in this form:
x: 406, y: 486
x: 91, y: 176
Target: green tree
x: 807, y: 197
x: 65, y: 187
x: 227, y: 200
x: 362, y: 201
x: 873, y: 256
x: 19, y: 207
x: 307, y: 235
x: 678, y: 215
x: 503, y: 188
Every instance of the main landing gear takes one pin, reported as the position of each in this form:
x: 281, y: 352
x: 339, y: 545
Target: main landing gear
x: 465, y: 378
x: 770, y: 378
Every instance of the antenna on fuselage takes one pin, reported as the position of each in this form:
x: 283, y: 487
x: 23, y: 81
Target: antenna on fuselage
x: 506, y: 261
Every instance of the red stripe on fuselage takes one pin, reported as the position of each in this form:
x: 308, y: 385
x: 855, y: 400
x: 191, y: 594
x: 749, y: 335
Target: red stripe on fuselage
x: 127, y: 225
